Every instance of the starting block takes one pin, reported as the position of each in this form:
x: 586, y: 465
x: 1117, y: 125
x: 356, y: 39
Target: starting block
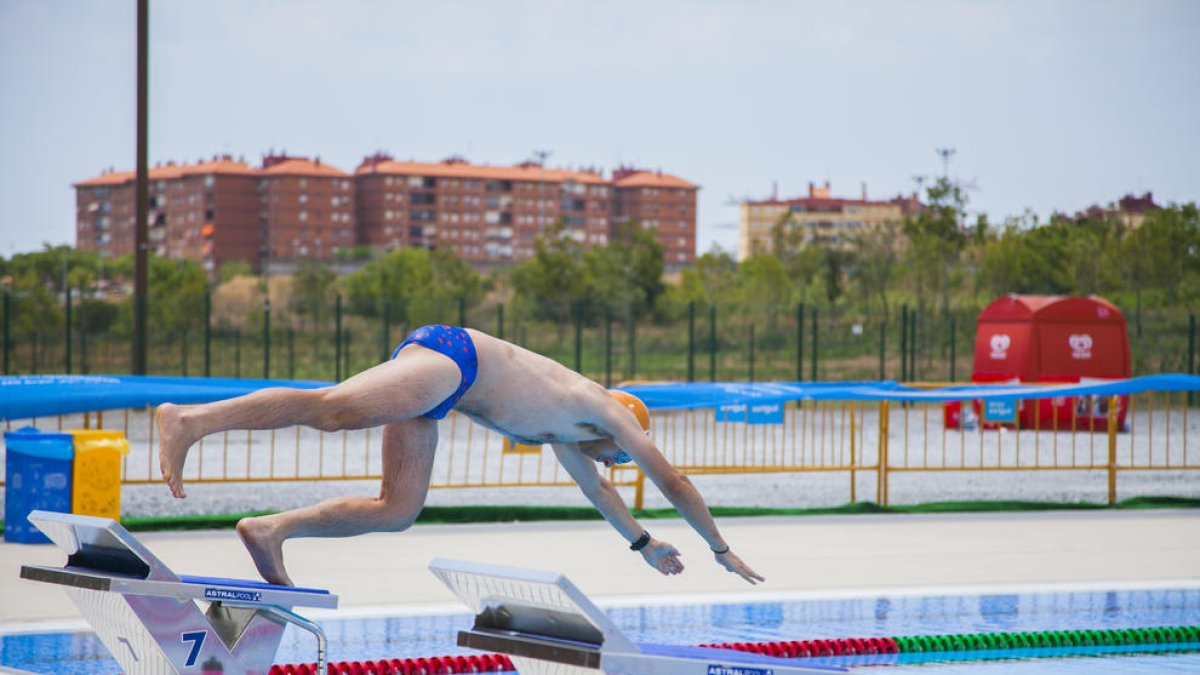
x: 147, y: 615
x: 547, y: 626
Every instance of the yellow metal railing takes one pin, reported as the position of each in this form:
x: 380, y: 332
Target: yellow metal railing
x: 886, y: 437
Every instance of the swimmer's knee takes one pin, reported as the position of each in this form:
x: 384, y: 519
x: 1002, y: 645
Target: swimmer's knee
x: 334, y: 411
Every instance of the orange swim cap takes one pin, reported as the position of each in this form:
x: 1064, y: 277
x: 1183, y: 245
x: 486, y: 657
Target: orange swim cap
x: 635, y: 406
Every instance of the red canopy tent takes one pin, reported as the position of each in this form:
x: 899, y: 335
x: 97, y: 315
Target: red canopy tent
x: 1051, y: 338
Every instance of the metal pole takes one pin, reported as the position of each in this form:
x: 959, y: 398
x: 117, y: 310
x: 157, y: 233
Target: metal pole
x: 800, y: 342
x: 691, y: 354
x: 904, y: 343
x: 578, y: 338
x: 8, y: 326
x: 500, y: 321
x: 337, y: 339
x: 266, y: 338
x: 751, y: 352
x: 712, y: 343
x: 68, y: 334
x: 882, y: 351
x: 912, y: 344
x: 953, y: 351
x: 237, y: 352
x: 608, y: 346
x: 291, y: 353
x: 141, y: 249
x: 632, y: 349
x: 207, y: 333
x: 385, y: 339
x: 346, y: 353
x: 1191, y: 343
x: 815, y: 346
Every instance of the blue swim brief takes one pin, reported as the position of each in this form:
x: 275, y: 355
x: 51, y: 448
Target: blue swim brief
x: 455, y: 343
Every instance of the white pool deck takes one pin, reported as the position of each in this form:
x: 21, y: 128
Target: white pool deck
x: 806, y: 556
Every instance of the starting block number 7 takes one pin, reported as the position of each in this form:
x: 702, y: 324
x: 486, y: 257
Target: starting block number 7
x: 197, y: 640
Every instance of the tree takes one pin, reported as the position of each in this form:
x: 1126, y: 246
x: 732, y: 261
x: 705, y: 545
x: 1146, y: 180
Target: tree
x: 627, y: 273
x: 553, y: 279
x: 875, y: 255
x: 936, y: 240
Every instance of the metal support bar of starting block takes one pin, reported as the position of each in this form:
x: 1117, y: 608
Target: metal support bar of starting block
x: 147, y: 616
x: 549, y: 627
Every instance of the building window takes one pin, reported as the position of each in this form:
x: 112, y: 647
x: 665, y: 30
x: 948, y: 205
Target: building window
x: 303, y: 199
x: 303, y: 216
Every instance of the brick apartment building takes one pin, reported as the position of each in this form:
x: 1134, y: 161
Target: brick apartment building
x: 294, y: 208
x: 831, y: 221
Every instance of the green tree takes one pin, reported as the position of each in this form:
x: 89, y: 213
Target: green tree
x: 552, y: 280
x: 625, y: 275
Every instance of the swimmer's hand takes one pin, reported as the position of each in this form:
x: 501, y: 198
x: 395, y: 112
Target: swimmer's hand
x: 731, y: 562
x: 663, y: 557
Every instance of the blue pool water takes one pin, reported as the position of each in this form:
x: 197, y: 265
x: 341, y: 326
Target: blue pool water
x: 82, y: 653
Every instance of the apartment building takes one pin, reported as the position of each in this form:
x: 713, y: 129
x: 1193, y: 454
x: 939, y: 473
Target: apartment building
x: 819, y: 217
x: 486, y: 214
x: 663, y: 202
x: 294, y: 208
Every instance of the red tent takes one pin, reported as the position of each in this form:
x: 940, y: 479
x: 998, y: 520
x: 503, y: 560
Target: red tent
x: 1052, y: 338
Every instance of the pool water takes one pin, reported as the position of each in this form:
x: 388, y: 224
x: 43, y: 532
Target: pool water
x: 353, y: 639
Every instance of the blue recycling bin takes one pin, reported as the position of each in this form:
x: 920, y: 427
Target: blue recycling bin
x: 37, y: 474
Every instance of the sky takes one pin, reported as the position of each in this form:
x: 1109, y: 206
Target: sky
x: 1050, y: 105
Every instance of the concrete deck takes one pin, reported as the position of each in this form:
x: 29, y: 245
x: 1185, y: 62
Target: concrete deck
x: 831, y: 555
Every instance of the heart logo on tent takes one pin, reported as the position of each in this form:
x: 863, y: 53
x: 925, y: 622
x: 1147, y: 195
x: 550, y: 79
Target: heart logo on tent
x: 1000, y: 343
x: 1081, y: 346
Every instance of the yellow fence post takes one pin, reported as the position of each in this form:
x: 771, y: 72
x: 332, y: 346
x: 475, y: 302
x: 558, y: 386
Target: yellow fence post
x: 1112, y: 449
x: 881, y: 470
x: 639, y: 490
x: 852, y: 460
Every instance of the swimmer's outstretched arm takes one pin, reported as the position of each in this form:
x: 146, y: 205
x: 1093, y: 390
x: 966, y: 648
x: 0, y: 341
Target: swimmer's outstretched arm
x: 658, y: 554
x: 681, y: 493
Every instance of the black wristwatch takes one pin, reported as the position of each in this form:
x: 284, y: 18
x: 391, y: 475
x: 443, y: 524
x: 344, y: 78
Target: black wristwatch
x: 641, y: 542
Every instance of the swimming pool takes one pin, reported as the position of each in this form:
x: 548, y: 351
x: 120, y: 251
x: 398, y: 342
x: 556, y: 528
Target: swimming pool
x: 433, y: 634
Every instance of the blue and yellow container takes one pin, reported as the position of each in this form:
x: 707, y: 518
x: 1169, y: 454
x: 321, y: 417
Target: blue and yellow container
x: 96, y: 488
x: 37, y: 475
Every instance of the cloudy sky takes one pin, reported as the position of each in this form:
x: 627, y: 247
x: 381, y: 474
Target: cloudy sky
x: 1050, y: 105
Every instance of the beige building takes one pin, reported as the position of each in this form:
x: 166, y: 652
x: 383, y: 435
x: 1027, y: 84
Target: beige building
x: 820, y: 217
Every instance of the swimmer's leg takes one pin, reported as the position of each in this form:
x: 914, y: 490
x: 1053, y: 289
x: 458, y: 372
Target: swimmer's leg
x: 409, y: 385
x: 408, y: 450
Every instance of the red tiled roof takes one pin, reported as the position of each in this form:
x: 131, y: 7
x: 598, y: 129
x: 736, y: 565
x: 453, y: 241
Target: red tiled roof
x: 170, y: 171
x: 654, y: 179
x: 304, y: 167
x: 108, y: 178
x: 463, y: 170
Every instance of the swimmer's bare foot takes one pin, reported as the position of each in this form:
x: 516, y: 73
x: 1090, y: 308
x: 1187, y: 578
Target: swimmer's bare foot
x: 266, y: 549
x: 173, y: 445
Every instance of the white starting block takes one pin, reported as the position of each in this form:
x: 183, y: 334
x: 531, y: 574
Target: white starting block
x: 147, y: 615
x: 547, y: 626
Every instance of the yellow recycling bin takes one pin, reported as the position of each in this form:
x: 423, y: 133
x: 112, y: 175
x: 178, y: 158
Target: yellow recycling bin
x: 96, y: 488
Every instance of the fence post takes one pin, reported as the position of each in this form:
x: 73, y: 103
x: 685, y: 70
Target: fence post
x: 68, y: 334
x: 953, y: 350
x: 207, y: 332
x: 881, y: 487
x: 632, y: 338
x: 912, y: 344
x: 1192, y: 347
x: 751, y: 352
x: 237, y: 353
x: 7, y: 327
x: 800, y: 342
x: 266, y: 338
x: 291, y: 342
x: 1113, y: 404
x: 639, y: 490
x: 337, y: 338
x: 882, y: 351
x: 500, y: 321
x: 691, y: 358
x: 346, y: 353
x: 578, y: 338
x: 904, y: 343
x: 815, y: 346
x: 385, y: 331
x: 712, y: 343
x: 608, y: 346
x: 853, y: 461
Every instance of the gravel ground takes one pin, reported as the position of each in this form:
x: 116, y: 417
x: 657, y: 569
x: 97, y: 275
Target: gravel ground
x: 469, y: 454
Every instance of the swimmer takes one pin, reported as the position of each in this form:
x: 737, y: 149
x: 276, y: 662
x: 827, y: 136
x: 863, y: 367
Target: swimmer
x: 524, y: 396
